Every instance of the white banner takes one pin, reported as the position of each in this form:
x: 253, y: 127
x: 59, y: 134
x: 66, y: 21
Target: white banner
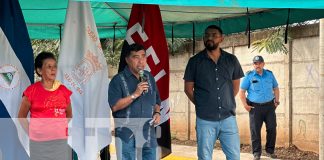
x: 82, y: 68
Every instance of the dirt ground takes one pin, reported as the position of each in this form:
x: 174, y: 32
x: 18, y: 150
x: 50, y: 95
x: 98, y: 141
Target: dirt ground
x: 290, y: 153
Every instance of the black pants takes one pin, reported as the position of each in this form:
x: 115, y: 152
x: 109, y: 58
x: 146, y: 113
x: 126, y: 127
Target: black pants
x: 105, y: 153
x: 258, y: 115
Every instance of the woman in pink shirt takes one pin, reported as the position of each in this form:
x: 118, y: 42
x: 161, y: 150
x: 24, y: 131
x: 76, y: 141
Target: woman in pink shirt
x: 48, y: 102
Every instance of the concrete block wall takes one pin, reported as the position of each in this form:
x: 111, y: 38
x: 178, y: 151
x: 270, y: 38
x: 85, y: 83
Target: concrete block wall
x: 178, y: 106
x: 299, y: 95
x: 305, y: 83
x: 182, y: 111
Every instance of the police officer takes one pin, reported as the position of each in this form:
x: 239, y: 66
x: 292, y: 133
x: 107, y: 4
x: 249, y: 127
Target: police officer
x: 261, y: 101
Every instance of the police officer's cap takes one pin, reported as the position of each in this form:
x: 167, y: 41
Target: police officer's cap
x: 258, y: 59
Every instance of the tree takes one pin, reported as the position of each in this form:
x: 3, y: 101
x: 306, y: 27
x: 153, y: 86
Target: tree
x: 275, y: 43
x: 45, y: 45
x: 112, y: 58
x: 178, y: 45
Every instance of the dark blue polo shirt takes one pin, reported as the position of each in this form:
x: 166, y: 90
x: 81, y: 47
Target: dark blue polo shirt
x: 142, y: 107
x: 213, y: 87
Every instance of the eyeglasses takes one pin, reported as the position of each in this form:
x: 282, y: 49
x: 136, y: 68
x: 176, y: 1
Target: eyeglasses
x: 213, y: 35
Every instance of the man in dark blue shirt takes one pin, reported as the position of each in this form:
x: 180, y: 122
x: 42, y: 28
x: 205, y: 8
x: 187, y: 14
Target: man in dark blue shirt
x: 261, y: 102
x: 135, y: 103
x: 212, y: 80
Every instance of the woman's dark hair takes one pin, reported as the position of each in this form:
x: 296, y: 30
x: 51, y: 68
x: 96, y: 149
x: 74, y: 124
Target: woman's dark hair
x: 39, y: 60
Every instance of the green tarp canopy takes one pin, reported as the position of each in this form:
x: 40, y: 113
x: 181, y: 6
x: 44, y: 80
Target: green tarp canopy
x: 45, y: 18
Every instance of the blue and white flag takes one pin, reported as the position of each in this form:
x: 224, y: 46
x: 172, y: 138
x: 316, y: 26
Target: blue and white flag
x: 16, y: 73
x: 82, y: 67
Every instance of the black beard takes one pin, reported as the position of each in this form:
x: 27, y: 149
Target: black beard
x: 210, y: 47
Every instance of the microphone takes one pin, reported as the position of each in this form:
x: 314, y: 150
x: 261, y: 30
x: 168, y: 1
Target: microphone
x: 142, y: 78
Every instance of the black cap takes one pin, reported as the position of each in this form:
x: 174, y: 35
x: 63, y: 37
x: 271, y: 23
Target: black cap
x: 258, y: 59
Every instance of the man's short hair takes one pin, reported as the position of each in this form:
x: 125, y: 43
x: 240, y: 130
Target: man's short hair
x: 214, y: 27
x: 134, y: 47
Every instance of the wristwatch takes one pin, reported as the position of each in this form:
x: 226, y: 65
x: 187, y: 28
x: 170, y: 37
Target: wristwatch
x: 157, y: 113
x: 133, y: 97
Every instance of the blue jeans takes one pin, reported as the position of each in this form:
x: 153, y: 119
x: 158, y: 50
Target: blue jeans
x: 225, y: 130
x: 128, y: 151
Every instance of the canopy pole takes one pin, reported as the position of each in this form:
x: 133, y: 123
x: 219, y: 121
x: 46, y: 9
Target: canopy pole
x: 60, y: 26
x: 114, y: 39
x: 219, y: 23
x: 287, y: 25
x: 172, y: 39
x: 143, y: 18
x: 248, y: 27
x: 321, y: 90
x: 193, y: 38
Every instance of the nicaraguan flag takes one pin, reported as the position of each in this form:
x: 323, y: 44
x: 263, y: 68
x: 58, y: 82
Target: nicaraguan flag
x: 83, y: 69
x: 16, y: 73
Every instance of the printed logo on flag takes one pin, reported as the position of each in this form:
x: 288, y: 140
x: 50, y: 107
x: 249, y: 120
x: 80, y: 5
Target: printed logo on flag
x: 83, y: 71
x: 92, y: 35
x: 87, y: 67
x: 9, y: 76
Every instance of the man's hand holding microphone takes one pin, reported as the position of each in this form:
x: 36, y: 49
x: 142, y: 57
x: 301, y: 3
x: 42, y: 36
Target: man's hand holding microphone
x: 142, y: 87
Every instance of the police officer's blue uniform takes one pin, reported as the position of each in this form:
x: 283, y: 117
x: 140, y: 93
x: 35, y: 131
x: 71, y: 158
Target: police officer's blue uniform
x: 261, y: 97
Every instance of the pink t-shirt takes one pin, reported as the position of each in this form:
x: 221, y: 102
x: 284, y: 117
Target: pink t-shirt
x: 47, y: 112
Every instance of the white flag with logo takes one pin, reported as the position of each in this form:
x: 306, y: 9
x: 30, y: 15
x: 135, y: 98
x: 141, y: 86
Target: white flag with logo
x: 82, y: 68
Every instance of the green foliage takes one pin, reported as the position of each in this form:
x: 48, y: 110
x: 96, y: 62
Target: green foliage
x: 112, y: 58
x: 54, y: 45
x: 46, y: 45
x: 178, y: 45
x: 272, y: 44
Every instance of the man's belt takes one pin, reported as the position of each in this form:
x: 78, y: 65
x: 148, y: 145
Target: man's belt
x: 270, y: 103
